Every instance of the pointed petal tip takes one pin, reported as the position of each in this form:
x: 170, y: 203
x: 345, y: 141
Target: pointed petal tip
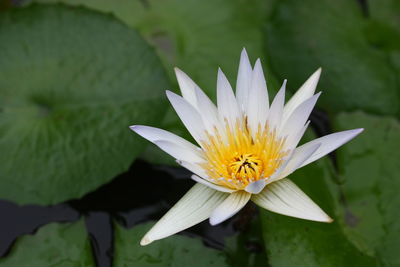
x: 282, y: 90
x: 315, y: 76
x: 222, y: 80
x: 178, y: 72
x: 168, y: 92
x: 220, y: 74
x: 145, y: 241
x: 325, y: 219
x: 353, y: 133
x: 258, y: 71
x: 172, y: 96
x: 244, y: 62
x: 359, y: 130
x: 314, y: 98
x: 138, y: 128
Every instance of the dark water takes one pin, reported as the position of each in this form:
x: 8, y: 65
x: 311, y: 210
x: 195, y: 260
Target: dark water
x: 19, y: 220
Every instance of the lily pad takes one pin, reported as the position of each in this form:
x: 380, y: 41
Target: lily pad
x: 68, y: 93
x: 336, y: 35
x: 295, y: 242
x: 369, y: 171
x: 52, y: 245
x: 175, y: 251
x: 386, y: 11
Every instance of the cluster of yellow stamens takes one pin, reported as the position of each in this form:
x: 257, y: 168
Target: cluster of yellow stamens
x: 237, y: 157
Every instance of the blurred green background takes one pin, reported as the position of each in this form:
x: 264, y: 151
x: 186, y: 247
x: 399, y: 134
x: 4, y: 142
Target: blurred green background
x: 74, y: 74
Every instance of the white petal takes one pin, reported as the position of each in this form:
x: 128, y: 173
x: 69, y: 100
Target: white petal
x: 227, y: 105
x: 155, y: 134
x: 277, y: 174
x: 193, y: 167
x: 257, y: 108
x: 189, y: 116
x: 299, y: 116
x: 202, y: 177
x: 195, y: 206
x: 187, y: 87
x: 243, y: 81
x: 180, y: 153
x: 284, y: 197
x: 229, y: 207
x: 305, y: 91
x: 293, y: 139
x: 208, y: 112
x: 300, y: 155
x: 192, y: 93
x: 212, y: 185
x: 256, y: 187
x: 276, y: 109
x: 329, y: 143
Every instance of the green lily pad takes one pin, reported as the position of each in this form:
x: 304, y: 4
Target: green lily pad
x: 336, y: 35
x: 386, y: 11
x: 52, y: 245
x: 369, y: 171
x: 175, y: 251
x: 384, y: 31
x: 68, y: 93
x: 295, y: 242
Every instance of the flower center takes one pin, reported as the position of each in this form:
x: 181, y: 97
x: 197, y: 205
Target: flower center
x: 236, y: 157
x: 246, y: 165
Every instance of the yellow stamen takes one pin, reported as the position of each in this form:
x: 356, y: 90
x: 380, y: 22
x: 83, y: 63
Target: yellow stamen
x: 236, y: 157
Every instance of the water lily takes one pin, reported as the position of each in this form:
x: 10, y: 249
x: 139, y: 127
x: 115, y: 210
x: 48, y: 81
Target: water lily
x: 246, y: 149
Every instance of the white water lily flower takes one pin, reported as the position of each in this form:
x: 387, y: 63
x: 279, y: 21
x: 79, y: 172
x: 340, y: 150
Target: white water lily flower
x: 246, y: 149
